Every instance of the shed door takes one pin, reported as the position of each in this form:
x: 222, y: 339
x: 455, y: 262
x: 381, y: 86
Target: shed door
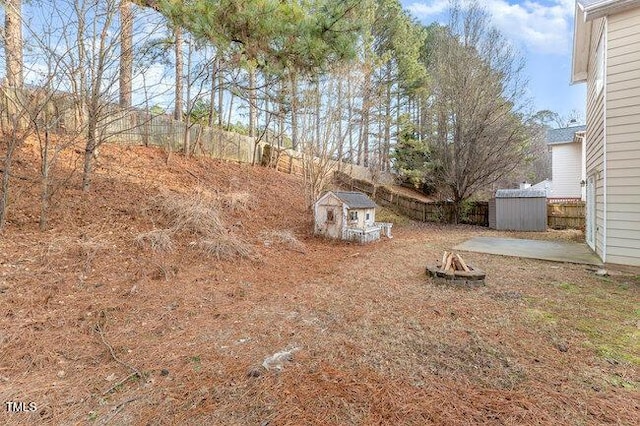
x: 590, y: 219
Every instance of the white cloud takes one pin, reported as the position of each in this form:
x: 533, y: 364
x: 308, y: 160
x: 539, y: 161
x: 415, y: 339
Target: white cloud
x: 540, y: 26
x: 423, y: 10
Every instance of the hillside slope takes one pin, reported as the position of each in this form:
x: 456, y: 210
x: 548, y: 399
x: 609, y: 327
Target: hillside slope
x: 90, y: 292
x: 191, y: 292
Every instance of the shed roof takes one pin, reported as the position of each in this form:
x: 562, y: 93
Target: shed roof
x: 355, y: 200
x: 563, y: 135
x: 520, y: 193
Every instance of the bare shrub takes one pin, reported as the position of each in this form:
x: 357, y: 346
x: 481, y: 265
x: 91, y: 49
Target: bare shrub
x: 285, y: 237
x: 158, y: 239
x: 237, y: 201
x: 223, y: 247
x: 198, y: 212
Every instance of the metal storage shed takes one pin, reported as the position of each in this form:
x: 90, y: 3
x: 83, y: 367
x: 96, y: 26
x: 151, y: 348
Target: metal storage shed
x: 518, y: 210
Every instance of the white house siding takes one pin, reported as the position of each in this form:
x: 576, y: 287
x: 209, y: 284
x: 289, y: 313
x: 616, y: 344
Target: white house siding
x: 623, y: 138
x: 595, y: 135
x: 567, y: 170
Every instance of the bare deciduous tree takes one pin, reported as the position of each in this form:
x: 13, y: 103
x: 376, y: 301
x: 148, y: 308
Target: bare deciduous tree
x: 478, y: 99
x: 126, y: 53
x: 318, y: 156
x: 13, y: 43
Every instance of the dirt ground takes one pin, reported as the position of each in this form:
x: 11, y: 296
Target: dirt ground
x: 98, y: 327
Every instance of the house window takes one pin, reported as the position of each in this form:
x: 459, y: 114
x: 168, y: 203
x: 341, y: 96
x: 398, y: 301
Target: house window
x: 368, y: 216
x: 330, y: 217
x: 353, y: 216
x: 599, y: 77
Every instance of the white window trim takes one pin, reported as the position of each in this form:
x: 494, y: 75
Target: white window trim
x: 600, y: 63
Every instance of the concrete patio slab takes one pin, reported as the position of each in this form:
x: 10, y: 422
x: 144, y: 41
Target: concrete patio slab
x: 556, y: 251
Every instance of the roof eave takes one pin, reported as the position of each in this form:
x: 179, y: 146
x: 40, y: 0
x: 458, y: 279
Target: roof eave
x: 581, y: 40
x: 577, y: 138
x: 610, y: 7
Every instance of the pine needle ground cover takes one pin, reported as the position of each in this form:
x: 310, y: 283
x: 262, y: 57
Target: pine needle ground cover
x: 126, y: 311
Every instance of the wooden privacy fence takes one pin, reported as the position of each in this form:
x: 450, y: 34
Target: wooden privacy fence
x: 283, y: 160
x: 568, y: 215
x: 475, y: 213
x: 160, y: 130
x: 289, y: 161
x: 133, y: 126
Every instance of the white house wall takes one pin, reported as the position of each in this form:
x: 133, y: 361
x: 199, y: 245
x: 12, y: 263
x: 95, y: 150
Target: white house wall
x: 595, y: 135
x: 567, y: 170
x: 623, y: 138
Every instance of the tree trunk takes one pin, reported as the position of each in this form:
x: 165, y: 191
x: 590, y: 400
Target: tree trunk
x: 350, y: 119
x: 212, y: 100
x: 126, y: 53
x: 294, y: 111
x: 220, y: 93
x: 317, y: 97
x: 187, y: 128
x: 177, y: 113
x: 253, y: 107
x: 230, y: 111
x: 364, y: 139
x: 363, y: 146
x: 89, y: 149
x: 340, y: 135
x: 6, y: 175
x: 94, y: 109
x: 13, y: 43
x: 384, y: 161
x: 281, y: 112
x: 44, y: 175
x: 79, y: 80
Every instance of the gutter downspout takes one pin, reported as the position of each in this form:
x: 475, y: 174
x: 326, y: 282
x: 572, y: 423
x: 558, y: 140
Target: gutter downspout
x: 605, y: 73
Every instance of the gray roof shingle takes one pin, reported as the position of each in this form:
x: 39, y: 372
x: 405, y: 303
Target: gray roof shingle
x: 563, y: 135
x: 355, y: 200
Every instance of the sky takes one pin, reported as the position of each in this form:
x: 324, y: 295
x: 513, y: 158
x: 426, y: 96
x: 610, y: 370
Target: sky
x: 543, y: 32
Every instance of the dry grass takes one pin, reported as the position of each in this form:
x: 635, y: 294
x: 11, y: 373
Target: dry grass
x: 237, y: 201
x: 223, y: 247
x: 283, y: 237
x: 197, y: 212
x: 157, y: 239
x: 200, y: 214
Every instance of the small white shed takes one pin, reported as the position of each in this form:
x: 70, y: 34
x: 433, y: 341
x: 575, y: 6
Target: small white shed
x: 348, y: 216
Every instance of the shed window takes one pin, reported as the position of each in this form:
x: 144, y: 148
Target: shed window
x: 353, y: 215
x: 330, y: 217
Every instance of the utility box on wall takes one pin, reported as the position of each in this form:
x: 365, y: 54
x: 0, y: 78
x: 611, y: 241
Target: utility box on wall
x: 518, y: 210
